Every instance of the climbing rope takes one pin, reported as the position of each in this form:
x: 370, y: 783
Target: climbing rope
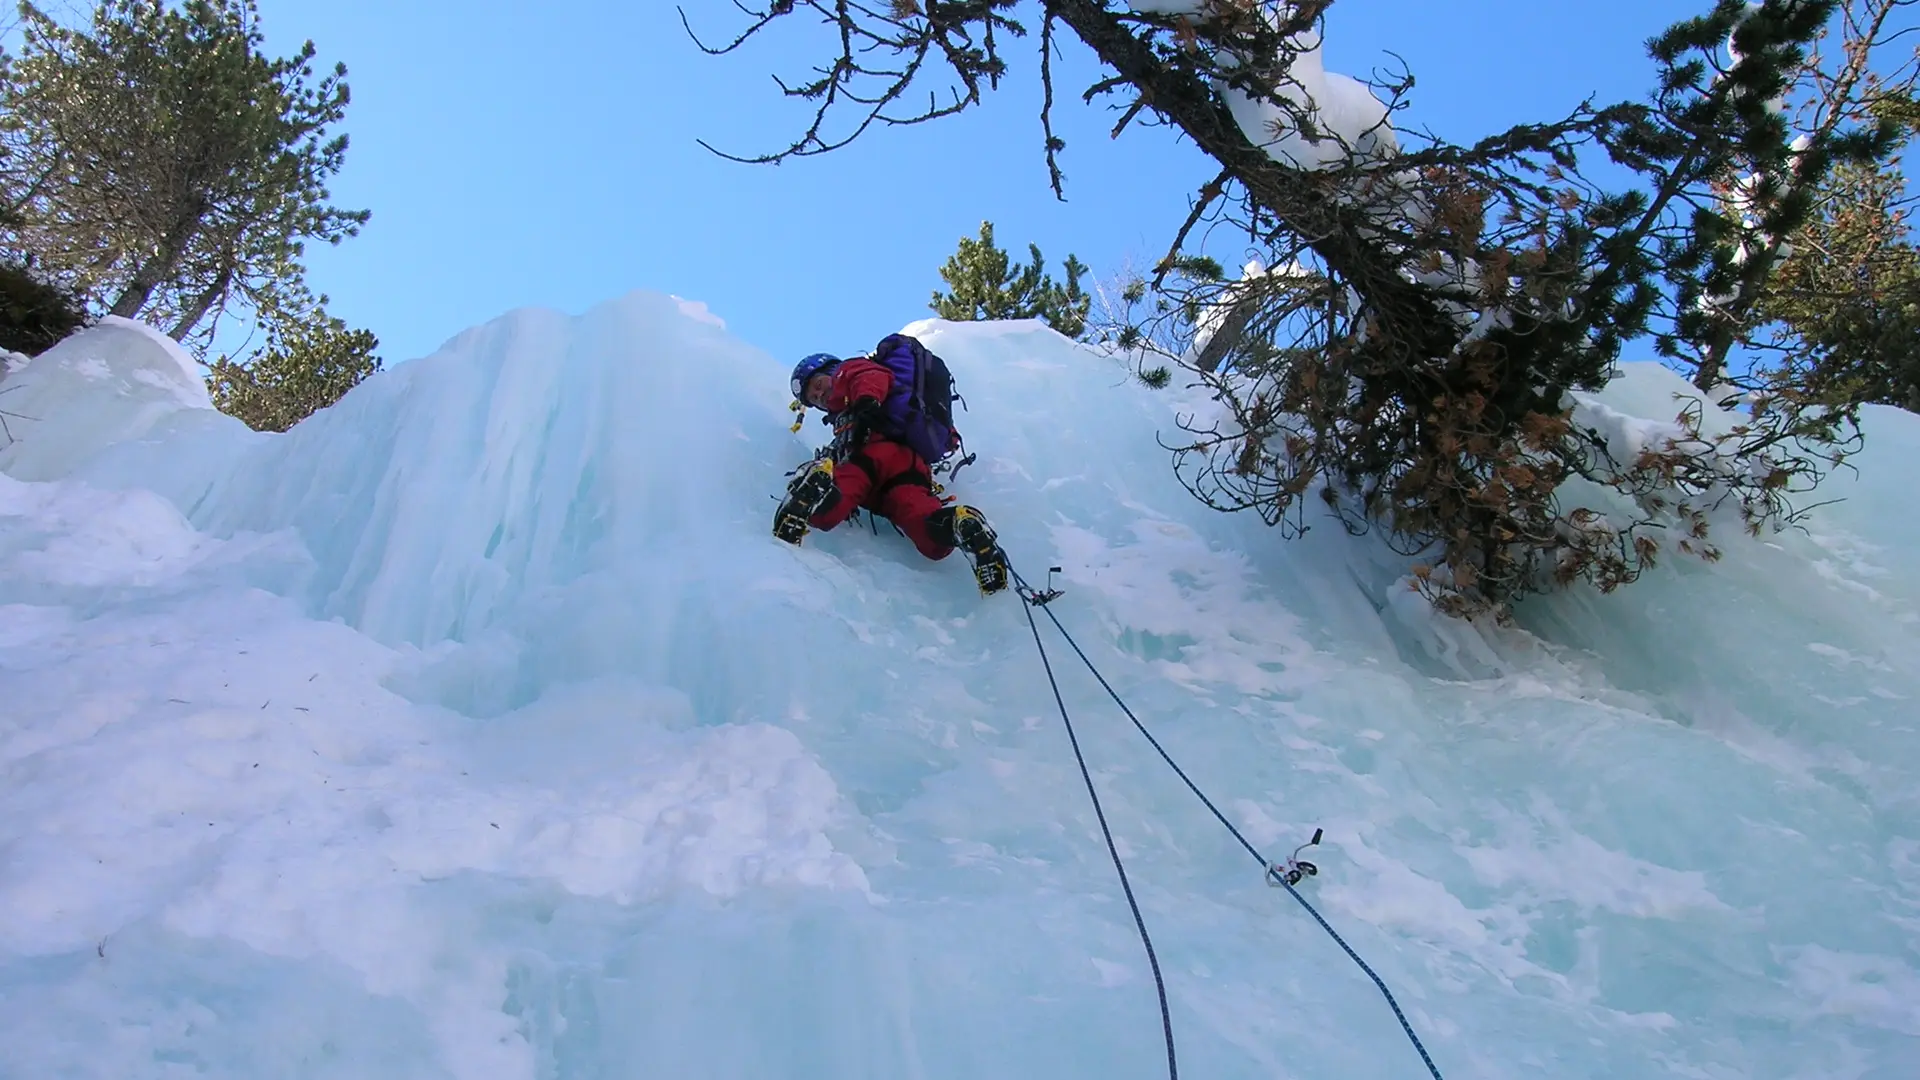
x: 1284, y: 876
x: 1159, y: 984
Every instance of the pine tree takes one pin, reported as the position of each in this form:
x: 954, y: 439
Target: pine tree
x: 310, y: 362
x: 160, y: 164
x: 986, y: 285
x: 1844, y: 307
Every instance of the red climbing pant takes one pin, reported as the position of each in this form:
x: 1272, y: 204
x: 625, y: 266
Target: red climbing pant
x: 889, y: 479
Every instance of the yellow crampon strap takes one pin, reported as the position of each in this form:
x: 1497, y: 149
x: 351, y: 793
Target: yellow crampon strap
x: 801, y: 408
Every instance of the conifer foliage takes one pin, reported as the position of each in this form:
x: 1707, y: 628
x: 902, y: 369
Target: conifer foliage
x: 1839, y: 320
x: 1406, y: 362
x: 1844, y: 309
x: 986, y: 285
x: 309, y: 363
x: 34, y: 315
x: 156, y: 163
x: 162, y: 164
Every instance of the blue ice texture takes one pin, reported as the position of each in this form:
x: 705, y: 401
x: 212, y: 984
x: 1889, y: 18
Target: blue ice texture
x: 478, y: 728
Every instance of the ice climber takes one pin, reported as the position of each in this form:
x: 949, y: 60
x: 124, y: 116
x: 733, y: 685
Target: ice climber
x: 892, y: 415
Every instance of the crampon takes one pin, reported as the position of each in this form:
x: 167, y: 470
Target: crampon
x: 806, y: 494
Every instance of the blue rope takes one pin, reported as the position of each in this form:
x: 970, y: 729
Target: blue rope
x: 1027, y: 594
x: 1159, y: 984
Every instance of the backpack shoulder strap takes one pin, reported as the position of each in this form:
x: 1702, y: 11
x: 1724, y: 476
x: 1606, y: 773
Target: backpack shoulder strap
x: 893, y: 343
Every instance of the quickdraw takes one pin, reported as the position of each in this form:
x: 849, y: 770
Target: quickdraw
x: 1042, y: 597
x: 1281, y: 875
x: 1295, y: 868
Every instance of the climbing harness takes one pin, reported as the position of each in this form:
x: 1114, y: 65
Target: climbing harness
x: 810, y: 485
x: 1284, y: 875
x: 842, y: 445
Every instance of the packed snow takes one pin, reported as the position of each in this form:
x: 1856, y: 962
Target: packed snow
x: 478, y: 728
x: 1348, y: 122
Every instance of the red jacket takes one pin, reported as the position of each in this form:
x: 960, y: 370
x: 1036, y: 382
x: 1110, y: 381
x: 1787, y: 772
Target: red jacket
x: 858, y: 378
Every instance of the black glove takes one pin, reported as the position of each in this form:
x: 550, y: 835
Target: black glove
x: 860, y: 418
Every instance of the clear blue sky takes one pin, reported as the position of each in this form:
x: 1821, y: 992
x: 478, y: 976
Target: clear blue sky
x: 518, y: 158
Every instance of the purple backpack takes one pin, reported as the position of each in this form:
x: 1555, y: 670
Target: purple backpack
x: 919, y: 408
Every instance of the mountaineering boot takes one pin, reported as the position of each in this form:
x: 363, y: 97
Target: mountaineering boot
x: 967, y: 529
x: 807, y: 494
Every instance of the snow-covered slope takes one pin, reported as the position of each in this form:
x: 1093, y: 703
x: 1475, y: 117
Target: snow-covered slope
x: 477, y: 728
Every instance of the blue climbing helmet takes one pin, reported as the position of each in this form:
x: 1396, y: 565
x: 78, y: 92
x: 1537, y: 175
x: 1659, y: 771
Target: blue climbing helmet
x: 807, y: 369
